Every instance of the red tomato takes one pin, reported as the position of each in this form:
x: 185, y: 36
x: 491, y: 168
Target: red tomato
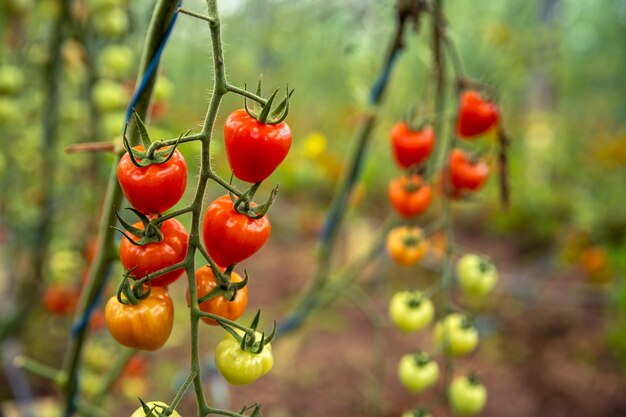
x: 411, y: 147
x: 232, y: 310
x: 229, y: 236
x: 137, y: 366
x: 254, y: 149
x: 467, y: 174
x: 158, y: 255
x: 155, y: 188
x: 60, y: 299
x: 476, y: 115
x: 410, y: 196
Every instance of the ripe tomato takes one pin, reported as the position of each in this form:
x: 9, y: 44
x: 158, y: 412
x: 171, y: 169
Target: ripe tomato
x: 254, y: 149
x: 229, y: 236
x: 146, y: 325
x: 467, y: 397
x: 155, y: 188
x: 409, y: 196
x: 239, y: 367
x: 406, y: 245
x: 477, y: 275
x: 155, y: 408
x: 476, y: 115
x: 60, y: 299
x: 455, y: 335
x: 144, y: 260
x: 232, y: 310
x: 411, y: 311
x: 417, y: 372
x: 411, y: 147
x: 465, y: 173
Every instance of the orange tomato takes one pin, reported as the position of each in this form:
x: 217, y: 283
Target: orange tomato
x: 409, y: 196
x: 406, y: 245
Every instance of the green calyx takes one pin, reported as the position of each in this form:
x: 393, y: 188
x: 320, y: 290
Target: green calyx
x: 225, y: 287
x: 248, y: 342
x: 243, y: 204
x: 151, y: 232
x: 485, y: 265
x: 156, y: 410
x: 414, y: 300
x: 421, y: 359
x: 266, y: 115
x: 256, y: 410
x: 133, y: 293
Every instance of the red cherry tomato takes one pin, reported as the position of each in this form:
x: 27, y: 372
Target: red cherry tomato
x: 143, y: 260
x: 411, y: 147
x: 476, y: 115
x: 410, y: 196
x: 254, y: 149
x: 155, y: 188
x: 60, y: 299
x: 467, y: 174
x: 229, y: 236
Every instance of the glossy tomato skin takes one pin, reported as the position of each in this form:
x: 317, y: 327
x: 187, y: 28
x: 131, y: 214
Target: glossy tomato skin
x: 254, y: 150
x: 411, y: 147
x: 229, y: 236
x: 477, y: 275
x: 476, y: 115
x: 406, y: 245
x: 157, y: 406
x: 410, y: 311
x: 232, y: 310
x: 150, y: 258
x: 465, y: 174
x: 452, y: 336
x: 146, y: 325
x: 155, y: 188
x: 417, y: 374
x: 239, y: 367
x: 467, y: 398
x: 409, y: 196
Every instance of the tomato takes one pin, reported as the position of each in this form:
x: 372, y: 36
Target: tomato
x: 157, y: 406
x: 411, y: 147
x: 111, y: 23
x: 417, y: 372
x: 456, y: 335
x: 477, y: 275
x: 108, y: 95
x: 465, y: 173
x: 406, y: 245
x: 239, y: 367
x: 232, y: 310
x: 60, y: 299
x: 411, y: 311
x: 229, y: 236
x: 144, y: 260
x: 11, y: 79
x: 467, y: 397
x: 418, y: 412
x: 137, y: 366
x: 116, y: 61
x: 409, y: 196
x: 254, y: 150
x: 146, y: 325
x: 476, y: 115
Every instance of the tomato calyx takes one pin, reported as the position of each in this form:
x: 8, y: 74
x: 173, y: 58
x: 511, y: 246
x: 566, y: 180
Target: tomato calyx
x: 132, y: 294
x: 421, y: 359
x: 249, y: 341
x: 244, y: 205
x: 473, y: 378
x: 415, y: 300
x: 418, y: 412
x: 225, y: 287
x: 266, y: 115
x: 485, y: 265
x: 151, y: 232
x: 256, y: 410
x: 156, y: 410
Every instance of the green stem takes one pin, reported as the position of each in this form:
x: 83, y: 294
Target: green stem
x: 39, y: 369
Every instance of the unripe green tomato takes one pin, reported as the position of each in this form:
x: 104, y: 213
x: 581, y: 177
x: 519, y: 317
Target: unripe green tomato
x: 411, y: 311
x: 9, y: 111
x: 416, y: 413
x: 110, y: 23
x: 112, y: 124
x: 163, y: 89
x: 239, y: 367
x: 455, y: 335
x: 158, y: 406
x: 477, y: 275
x: 109, y: 95
x: 467, y: 398
x: 116, y: 61
x: 417, y: 372
x: 99, y: 5
x: 11, y: 79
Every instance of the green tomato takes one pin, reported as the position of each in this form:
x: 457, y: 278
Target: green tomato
x: 455, y: 335
x: 109, y: 95
x: 116, y: 61
x: 112, y: 124
x: 418, y: 412
x: 154, y: 409
x: 11, y: 79
x: 110, y: 23
x: 477, y: 275
x: 417, y: 372
x: 9, y: 111
x: 467, y: 396
x: 411, y: 311
x: 99, y: 5
x: 239, y: 367
x: 163, y: 89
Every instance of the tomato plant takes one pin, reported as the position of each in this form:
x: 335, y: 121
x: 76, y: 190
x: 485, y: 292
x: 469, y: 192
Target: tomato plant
x: 406, y: 245
x: 240, y: 367
x: 229, y: 236
x: 156, y: 187
x: 146, y: 325
x: 455, y: 335
x: 477, y: 275
x: 411, y: 147
x: 476, y: 115
x: 466, y: 173
x: 417, y: 372
x: 467, y: 396
x: 153, y: 409
x: 409, y: 196
x: 151, y: 257
x: 411, y: 311
x: 220, y: 305
x: 254, y: 149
